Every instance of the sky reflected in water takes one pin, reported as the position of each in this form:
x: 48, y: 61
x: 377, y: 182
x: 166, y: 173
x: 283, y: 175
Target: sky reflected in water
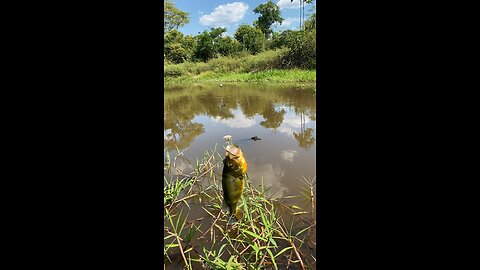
x: 197, y: 118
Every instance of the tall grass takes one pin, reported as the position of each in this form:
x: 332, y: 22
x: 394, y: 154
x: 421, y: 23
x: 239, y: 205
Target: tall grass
x: 264, y: 66
x: 249, y: 63
x: 261, y: 240
x: 274, y: 75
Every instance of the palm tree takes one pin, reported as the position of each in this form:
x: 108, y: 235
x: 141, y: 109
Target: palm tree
x: 302, y: 10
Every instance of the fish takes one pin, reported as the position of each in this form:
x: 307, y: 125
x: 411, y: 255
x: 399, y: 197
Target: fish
x: 233, y: 178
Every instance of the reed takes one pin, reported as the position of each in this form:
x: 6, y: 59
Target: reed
x: 261, y: 240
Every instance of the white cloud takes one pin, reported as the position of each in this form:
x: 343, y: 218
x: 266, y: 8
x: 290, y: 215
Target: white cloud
x: 294, y: 120
x: 287, y: 22
x: 287, y: 4
x: 288, y: 155
x: 238, y: 121
x: 271, y: 177
x: 225, y: 14
x: 283, y: 4
x: 287, y: 130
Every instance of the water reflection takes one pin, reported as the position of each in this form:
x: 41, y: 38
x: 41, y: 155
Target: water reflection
x: 237, y: 107
x: 273, y: 118
x: 181, y: 133
x: 305, y: 138
x: 239, y: 120
x: 283, y: 117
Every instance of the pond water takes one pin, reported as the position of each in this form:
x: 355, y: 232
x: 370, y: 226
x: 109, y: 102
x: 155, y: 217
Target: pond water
x: 197, y: 117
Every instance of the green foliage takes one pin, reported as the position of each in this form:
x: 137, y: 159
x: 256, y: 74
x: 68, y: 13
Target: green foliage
x: 204, y: 49
x: 177, y: 54
x: 251, y: 38
x: 206, y: 44
x: 228, y: 46
x: 172, y: 71
x: 212, y: 52
x: 284, y: 39
x: 269, y: 14
x: 244, y: 63
x: 188, y: 43
x: 173, y: 36
x: 173, y: 49
x: 311, y: 23
x: 302, y: 51
x: 273, y: 75
x: 173, y: 17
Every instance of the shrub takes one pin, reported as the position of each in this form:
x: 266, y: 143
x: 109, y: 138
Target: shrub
x: 302, y: 51
x: 172, y: 71
x: 177, y: 54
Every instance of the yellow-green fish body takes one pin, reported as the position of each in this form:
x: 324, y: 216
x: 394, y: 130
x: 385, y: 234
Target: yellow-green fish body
x: 233, y: 178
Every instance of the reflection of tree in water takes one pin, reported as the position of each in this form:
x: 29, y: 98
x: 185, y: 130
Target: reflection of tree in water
x: 301, y: 103
x: 216, y: 106
x: 305, y: 137
x: 182, y: 105
x: 178, y: 115
x: 273, y: 119
x: 251, y: 105
x: 182, y: 134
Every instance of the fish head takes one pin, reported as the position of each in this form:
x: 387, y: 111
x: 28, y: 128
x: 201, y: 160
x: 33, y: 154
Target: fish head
x: 233, y: 151
x: 235, y: 158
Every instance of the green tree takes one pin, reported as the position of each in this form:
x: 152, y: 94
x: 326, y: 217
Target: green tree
x: 177, y: 54
x: 172, y: 47
x: 251, y: 38
x: 173, y: 17
x: 173, y: 36
x: 302, y: 51
x: 269, y: 14
x: 228, y: 46
x: 311, y: 22
x: 204, y: 49
x: 206, y: 43
x: 284, y: 38
x: 189, y: 43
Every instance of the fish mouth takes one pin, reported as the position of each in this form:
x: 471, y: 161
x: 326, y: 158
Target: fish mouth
x: 233, y: 150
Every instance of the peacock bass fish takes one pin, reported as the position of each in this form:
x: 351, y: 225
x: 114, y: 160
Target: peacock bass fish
x: 233, y: 178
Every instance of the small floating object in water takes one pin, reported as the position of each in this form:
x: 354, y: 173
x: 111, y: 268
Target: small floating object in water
x: 255, y: 138
x: 221, y: 85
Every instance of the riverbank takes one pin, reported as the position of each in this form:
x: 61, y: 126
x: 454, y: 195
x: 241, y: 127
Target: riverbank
x: 273, y: 75
x: 263, y: 67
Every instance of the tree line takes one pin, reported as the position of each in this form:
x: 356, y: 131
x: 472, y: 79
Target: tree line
x: 247, y: 39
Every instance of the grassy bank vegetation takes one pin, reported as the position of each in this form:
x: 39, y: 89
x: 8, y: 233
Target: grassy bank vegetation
x: 262, y: 67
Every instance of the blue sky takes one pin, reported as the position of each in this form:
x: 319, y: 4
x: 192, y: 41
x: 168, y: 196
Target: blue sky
x: 205, y: 14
